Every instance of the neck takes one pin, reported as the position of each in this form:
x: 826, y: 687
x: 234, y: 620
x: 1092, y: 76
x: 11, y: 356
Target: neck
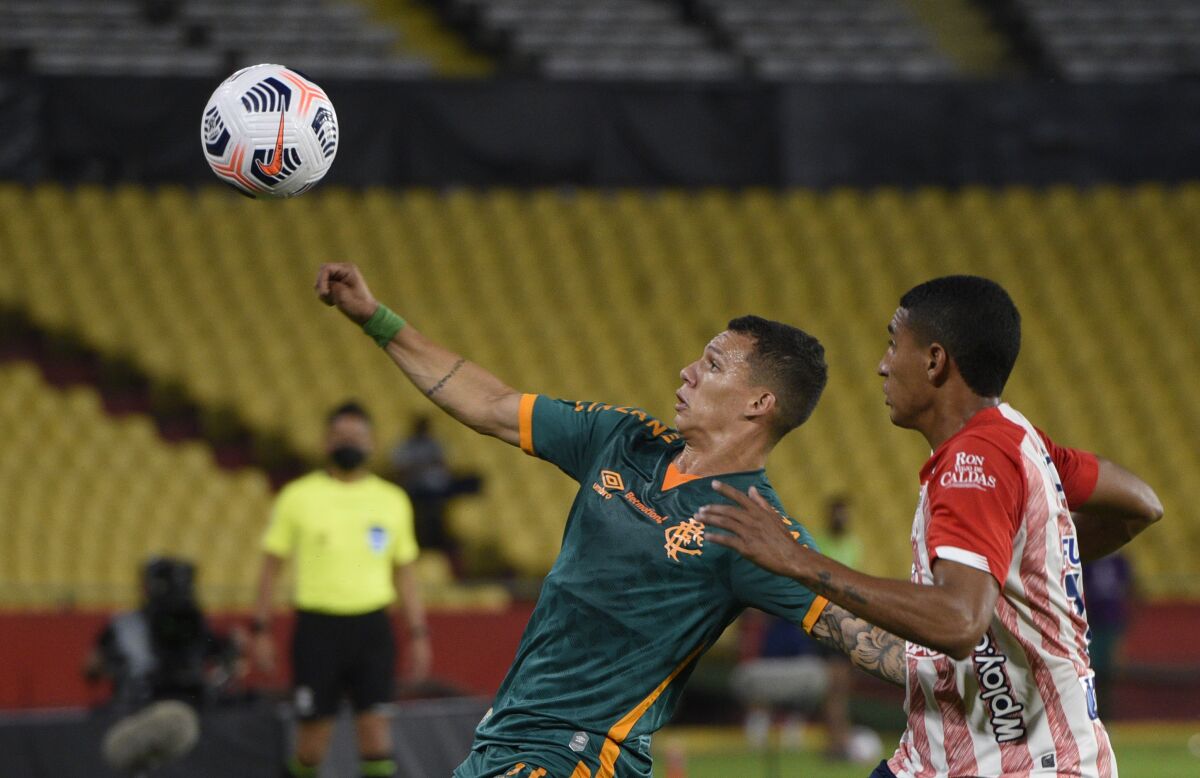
x: 948, y: 419
x: 345, y: 475
x: 705, y: 455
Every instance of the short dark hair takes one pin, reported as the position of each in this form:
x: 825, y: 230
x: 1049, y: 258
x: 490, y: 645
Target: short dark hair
x: 975, y: 321
x: 791, y: 362
x: 348, y: 408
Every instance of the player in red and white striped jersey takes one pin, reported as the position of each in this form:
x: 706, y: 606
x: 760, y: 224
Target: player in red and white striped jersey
x: 997, y: 675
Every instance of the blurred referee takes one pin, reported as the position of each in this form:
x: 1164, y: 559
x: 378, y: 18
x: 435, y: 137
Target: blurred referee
x: 350, y: 534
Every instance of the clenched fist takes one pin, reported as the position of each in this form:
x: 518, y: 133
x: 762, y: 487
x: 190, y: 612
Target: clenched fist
x: 343, y: 285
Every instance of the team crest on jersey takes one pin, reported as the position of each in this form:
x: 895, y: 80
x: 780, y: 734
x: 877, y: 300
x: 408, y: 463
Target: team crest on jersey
x: 377, y: 538
x: 686, y: 537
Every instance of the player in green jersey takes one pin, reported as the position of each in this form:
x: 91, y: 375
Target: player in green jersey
x: 636, y: 594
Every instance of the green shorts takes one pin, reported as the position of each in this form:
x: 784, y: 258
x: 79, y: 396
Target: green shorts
x: 496, y: 761
x: 542, y: 760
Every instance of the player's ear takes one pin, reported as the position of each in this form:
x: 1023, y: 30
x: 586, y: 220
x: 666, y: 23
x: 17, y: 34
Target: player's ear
x: 761, y: 404
x: 937, y: 364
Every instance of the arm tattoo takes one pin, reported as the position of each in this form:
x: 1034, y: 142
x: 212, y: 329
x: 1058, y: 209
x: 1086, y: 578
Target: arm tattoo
x: 431, y: 391
x: 870, y: 648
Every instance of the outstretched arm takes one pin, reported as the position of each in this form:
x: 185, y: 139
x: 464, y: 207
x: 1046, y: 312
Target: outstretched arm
x: 461, y: 388
x: 869, y: 648
x: 1121, y: 506
x: 950, y: 615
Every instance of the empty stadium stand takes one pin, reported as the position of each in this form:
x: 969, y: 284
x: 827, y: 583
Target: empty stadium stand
x: 85, y: 498
x: 615, y: 39
x: 707, y: 40
x: 424, y: 35
x: 605, y: 296
x: 656, y: 40
x: 1091, y: 40
x: 811, y: 39
x: 204, y: 37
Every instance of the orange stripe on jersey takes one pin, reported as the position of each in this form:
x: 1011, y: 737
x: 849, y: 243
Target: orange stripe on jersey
x: 674, y: 478
x: 581, y: 771
x: 814, y: 612
x: 525, y: 422
x: 621, y: 730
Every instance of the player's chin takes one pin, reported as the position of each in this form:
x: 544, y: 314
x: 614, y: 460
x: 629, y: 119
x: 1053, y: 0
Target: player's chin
x: 898, y: 418
x: 681, y: 422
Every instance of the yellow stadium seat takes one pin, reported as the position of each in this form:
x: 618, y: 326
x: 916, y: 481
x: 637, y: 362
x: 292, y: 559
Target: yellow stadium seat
x: 598, y: 295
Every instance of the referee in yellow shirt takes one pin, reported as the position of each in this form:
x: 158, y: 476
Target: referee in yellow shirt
x: 350, y: 535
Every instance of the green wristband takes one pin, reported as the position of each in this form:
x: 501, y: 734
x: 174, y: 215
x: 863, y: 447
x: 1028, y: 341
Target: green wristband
x: 383, y: 325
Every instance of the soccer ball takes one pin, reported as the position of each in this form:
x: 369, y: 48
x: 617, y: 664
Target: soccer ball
x: 269, y: 132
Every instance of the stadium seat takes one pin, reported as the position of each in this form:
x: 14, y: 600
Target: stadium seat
x: 812, y: 40
x: 87, y: 498
x: 202, y: 37
x: 605, y: 296
x: 1116, y: 39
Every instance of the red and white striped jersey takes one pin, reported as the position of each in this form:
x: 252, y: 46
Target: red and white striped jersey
x: 995, y: 497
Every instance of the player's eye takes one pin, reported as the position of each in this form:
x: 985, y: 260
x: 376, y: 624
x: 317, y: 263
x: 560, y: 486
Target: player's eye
x: 712, y: 366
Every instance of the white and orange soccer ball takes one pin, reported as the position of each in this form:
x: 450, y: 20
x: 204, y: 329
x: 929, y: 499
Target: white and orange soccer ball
x: 269, y: 132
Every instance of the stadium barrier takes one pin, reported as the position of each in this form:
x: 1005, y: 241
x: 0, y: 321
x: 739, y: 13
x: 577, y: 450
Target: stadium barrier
x: 484, y: 133
x: 431, y: 738
x: 473, y: 650
x: 43, y: 669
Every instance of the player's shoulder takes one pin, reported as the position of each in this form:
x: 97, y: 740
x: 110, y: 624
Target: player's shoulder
x: 797, y: 526
x: 627, y: 421
x: 764, y: 487
x: 984, y: 454
x: 990, y: 430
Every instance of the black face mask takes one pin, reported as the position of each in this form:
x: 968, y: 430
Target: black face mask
x: 347, y: 457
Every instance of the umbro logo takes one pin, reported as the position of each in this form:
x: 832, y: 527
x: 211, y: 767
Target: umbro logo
x: 612, y: 481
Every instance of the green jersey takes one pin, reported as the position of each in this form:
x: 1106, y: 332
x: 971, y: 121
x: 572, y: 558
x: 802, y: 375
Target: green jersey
x: 634, y: 598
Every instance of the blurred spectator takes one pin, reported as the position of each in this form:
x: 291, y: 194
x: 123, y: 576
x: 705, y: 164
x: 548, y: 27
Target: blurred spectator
x: 1107, y: 589
x: 165, y: 650
x: 838, y: 542
x: 419, y: 466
